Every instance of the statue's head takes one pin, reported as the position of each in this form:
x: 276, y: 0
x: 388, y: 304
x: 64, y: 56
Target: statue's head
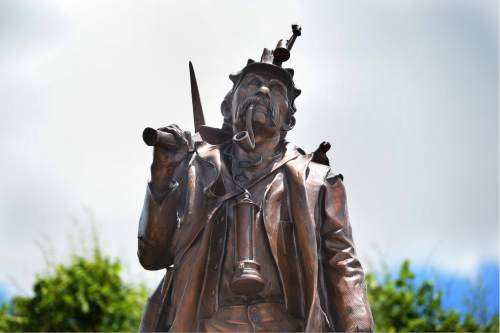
x: 261, y: 104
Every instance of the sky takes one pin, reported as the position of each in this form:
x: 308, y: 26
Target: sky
x: 406, y: 92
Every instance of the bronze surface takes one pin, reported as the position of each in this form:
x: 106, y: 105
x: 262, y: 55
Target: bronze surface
x: 254, y: 233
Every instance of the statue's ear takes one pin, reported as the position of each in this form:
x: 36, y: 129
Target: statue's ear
x: 234, y: 77
x: 290, y: 124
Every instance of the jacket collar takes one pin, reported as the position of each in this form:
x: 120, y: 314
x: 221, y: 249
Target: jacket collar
x: 210, y: 155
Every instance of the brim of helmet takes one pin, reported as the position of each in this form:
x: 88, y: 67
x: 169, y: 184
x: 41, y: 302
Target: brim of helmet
x: 269, y: 69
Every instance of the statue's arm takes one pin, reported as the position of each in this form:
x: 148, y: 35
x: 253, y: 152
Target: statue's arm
x: 344, y: 277
x: 158, y: 220
x: 157, y: 226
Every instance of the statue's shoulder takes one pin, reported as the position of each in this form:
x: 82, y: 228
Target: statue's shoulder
x: 315, y: 166
x: 302, y: 164
x: 206, y: 153
x: 206, y: 150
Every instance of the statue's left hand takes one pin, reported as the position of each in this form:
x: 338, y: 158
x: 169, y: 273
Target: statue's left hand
x: 166, y: 161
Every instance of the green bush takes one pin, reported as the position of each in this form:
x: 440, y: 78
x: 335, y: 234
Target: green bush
x: 399, y: 305
x: 86, y: 295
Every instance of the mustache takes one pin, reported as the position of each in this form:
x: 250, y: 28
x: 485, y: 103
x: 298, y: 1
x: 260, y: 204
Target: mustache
x: 252, y: 101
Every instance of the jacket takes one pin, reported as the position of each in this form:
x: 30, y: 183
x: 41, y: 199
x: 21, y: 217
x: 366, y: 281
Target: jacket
x: 307, y: 225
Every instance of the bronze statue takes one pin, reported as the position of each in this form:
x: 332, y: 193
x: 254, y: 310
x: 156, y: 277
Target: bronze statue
x: 253, y: 232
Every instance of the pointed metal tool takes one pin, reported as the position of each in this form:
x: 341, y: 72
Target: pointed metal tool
x: 199, y: 119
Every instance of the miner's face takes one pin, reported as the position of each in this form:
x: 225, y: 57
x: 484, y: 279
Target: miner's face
x: 261, y: 101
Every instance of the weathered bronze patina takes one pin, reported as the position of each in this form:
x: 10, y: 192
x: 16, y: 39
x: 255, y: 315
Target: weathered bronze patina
x: 253, y: 232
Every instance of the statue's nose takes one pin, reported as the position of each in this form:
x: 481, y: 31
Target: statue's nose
x: 264, y: 90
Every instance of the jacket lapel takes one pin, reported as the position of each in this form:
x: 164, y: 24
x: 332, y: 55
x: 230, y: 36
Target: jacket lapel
x: 305, y: 235
x: 272, y: 211
x: 273, y: 199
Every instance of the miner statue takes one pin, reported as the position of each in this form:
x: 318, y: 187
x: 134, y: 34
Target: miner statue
x: 253, y: 232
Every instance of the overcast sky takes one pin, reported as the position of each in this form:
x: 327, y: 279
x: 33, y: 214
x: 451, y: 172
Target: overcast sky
x: 406, y: 92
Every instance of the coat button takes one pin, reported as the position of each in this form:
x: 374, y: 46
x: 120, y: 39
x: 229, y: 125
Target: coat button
x: 216, y: 266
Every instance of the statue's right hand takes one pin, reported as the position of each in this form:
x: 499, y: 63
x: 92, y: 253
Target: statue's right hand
x: 165, y: 160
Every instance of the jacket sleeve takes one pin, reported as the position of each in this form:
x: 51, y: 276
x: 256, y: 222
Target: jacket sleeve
x: 157, y: 226
x: 343, y: 274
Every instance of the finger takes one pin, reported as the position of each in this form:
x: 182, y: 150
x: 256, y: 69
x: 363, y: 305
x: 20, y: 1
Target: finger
x: 176, y: 132
x: 170, y: 129
x: 189, y: 138
x: 176, y: 127
x: 163, y: 129
x: 180, y: 136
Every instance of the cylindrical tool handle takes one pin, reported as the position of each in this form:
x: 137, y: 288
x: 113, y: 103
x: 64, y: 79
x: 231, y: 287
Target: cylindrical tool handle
x: 245, y: 216
x: 247, y: 279
x: 153, y: 137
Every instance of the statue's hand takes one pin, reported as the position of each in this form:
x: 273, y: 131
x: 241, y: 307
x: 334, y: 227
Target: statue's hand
x: 165, y: 161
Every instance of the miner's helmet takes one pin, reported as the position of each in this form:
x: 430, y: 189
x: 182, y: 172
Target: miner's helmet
x: 271, y: 64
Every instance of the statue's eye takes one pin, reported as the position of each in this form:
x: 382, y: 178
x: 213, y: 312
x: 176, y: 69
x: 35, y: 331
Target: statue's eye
x: 276, y: 87
x: 254, y: 82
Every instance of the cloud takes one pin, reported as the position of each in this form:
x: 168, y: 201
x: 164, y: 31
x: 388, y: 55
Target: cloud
x: 406, y: 92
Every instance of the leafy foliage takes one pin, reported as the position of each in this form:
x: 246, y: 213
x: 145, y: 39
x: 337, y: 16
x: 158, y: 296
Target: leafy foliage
x: 399, y: 305
x: 86, y: 295
x: 89, y: 295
